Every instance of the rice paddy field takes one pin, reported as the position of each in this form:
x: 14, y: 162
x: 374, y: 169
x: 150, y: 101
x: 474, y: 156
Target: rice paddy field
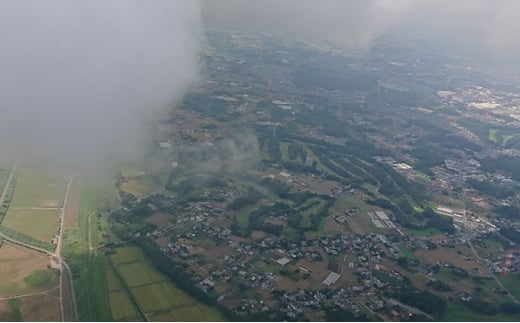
x: 153, y: 296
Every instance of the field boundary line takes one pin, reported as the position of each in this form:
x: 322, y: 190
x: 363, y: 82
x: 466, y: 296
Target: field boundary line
x: 128, y: 290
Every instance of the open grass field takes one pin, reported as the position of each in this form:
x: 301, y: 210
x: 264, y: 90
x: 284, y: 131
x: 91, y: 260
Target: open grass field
x: 40, y: 224
x: 152, y: 291
x: 121, y: 307
x: 38, y: 188
x: 24, y: 271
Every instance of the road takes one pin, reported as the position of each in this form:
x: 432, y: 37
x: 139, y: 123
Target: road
x: 57, y: 254
x: 513, y: 298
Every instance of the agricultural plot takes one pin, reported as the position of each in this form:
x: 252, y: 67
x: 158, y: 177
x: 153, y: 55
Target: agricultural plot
x: 40, y: 224
x: 44, y: 308
x: 152, y: 292
x: 139, y: 273
x: 24, y: 271
x: 161, y: 296
x: 126, y: 255
x: 38, y: 189
x: 194, y: 313
x: 121, y: 307
x: 113, y: 282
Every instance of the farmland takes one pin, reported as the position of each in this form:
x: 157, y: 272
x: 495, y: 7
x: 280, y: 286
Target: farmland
x: 40, y: 224
x: 24, y: 271
x: 38, y: 188
x: 153, y: 293
x: 121, y: 307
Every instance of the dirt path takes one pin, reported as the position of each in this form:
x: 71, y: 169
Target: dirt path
x: 57, y: 254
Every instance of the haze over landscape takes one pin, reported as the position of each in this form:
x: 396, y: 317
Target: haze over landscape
x: 69, y: 68
x: 275, y: 160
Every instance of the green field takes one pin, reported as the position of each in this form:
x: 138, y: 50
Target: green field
x: 158, y: 295
x: 121, y: 307
x: 38, y: 278
x: 492, y: 135
x: 126, y: 255
x: 139, y: 273
x: 38, y: 188
x: 113, y: 282
x: 512, y: 282
x: 459, y: 313
x: 88, y: 267
x: 40, y: 224
x: 161, y: 296
x: 193, y: 313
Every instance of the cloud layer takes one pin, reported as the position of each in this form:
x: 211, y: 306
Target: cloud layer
x: 486, y: 28
x: 79, y: 79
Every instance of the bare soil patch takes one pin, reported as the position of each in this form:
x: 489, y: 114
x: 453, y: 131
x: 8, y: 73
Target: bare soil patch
x: 318, y: 269
x: 49, y: 203
x: 289, y: 285
x: 217, y: 252
x: 331, y: 225
x: 360, y: 225
x: 258, y: 235
x: 162, y: 242
x: 5, y: 312
x: 40, y: 308
x: 449, y: 256
x: 159, y: 219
